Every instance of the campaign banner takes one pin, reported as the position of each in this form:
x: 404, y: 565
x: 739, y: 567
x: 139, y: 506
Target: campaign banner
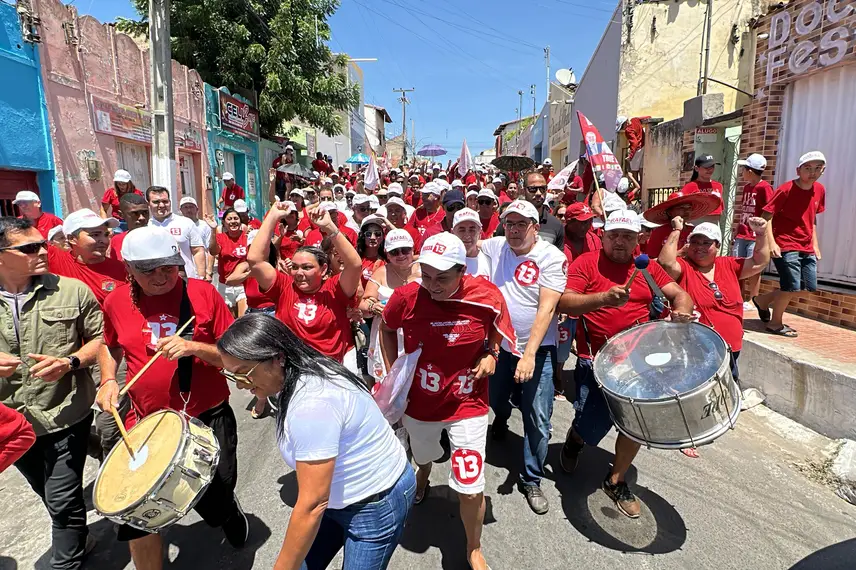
x: 465, y: 162
x: 122, y: 120
x: 599, y: 155
x: 372, y: 177
x: 564, y: 176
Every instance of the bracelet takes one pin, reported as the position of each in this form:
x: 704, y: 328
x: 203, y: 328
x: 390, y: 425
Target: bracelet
x: 494, y: 353
x: 103, y: 382
x: 338, y: 231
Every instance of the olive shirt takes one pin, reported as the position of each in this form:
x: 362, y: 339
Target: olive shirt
x: 57, y: 316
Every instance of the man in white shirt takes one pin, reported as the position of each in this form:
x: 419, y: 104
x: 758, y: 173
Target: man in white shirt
x: 190, y: 210
x: 467, y: 226
x: 532, y: 275
x: 185, y: 232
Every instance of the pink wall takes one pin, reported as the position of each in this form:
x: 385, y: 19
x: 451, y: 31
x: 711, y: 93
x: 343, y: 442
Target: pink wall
x: 111, y: 66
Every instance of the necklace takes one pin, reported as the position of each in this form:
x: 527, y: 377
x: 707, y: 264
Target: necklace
x: 403, y: 280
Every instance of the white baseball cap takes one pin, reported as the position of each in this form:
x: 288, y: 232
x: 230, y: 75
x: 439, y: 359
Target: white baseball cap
x: 228, y: 176
x: 350, y: 192
x: 382, y: 192
x: 122, y: 176
x: 288, y: 147
x: 623, y: 220
x: 472, y: 193
x: 708, y: 230
x: 337, y: 187
x: 372, y: 219
x: 395, y: 188
x: 397, y: 239
x: 457, y: 183
x: 443, y: 184
x: 374, y: 201
x: 240, y: 206
x: 487, y: 193
x: 548, y: 162
x: 431, y: 188
x: 443, y: 251
x: 498, y: 180
x: 328, y: 206
x: 53, y: 231
x: 442, y: 174
x: 26, y: 196
x: 623, y: 185
x: 297, y: 191
x: 86, y: 219
x: 396, y: 201
x: 811, y: 156
x: 647, y: 224
x: 150, y: 247
x: 188, y: 200
x: 466, y: 215
x: 754, y: 161
x: 613, y: 202
x: 412, y: 176
x: 360, y: 199
x: 523, y: 208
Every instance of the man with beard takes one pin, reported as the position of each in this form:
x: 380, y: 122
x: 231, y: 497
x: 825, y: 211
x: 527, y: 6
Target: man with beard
x: 551, y: 229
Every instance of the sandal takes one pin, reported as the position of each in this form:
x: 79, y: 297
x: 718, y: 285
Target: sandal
x: 785, y: 331
x: 692, y: 452
x: 763, y: 314
x: 418, y: 499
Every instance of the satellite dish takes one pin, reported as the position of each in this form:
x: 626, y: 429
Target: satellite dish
x: 565, y: 77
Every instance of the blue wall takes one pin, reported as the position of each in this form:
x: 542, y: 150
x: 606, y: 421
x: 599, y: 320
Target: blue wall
x: 25, y: 142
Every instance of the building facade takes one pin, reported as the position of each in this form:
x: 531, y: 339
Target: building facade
x: 376, y: 119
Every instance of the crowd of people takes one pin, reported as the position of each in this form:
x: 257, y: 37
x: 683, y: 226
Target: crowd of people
x: 479, y: 284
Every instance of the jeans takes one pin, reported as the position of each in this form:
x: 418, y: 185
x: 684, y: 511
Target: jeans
x: 536, y: 406
x: 797, y: 271
x: 592, y: 420
x: 744, y: 247
x: 369, y: 530
x: 54, y: 469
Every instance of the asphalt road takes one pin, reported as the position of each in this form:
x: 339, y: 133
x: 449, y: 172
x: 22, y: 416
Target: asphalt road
x: 752, y: 501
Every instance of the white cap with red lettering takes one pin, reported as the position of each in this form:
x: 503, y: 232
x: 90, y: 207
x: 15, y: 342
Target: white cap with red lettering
x: 443, y: 251
x: 395, y: 188
x: 466, y: 215
x: 397, y: 239
x: 149, y: 247
x: 86, y: 219
x: 623, y: 220
x: 708, y: 230
x: 523, y: 208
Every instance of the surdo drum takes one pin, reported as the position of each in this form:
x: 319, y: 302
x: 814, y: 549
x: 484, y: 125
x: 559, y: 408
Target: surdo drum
x: 175, y: 457
x: 669, y: 385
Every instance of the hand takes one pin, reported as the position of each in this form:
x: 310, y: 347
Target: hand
x: 757, y: 224
x: 321, y: 218
x: 677, y: 223
x: 354, y: 314
x: 174, y: 347
x: 107, y: 397
x: 775, y: 250
x: 211, y: 221
x: 49, y: 368
x: 817, y: 254
x: 617, y: 296
x: 525, y: 369
x: 485, y: 366
x: 284, y: 266
x: 209, y: 277
x: 280, y: 210
x: 377, y: 308
x: 272, y: 174
x: 682, y: 317
x: 8, y: 364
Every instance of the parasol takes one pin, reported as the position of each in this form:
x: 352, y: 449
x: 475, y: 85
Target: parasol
x: 358, y: 158
x: 296, y: 169
x: 431, y: 150
x: 513, y: 163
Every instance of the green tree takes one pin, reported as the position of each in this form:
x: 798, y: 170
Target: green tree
x: 275, y: 47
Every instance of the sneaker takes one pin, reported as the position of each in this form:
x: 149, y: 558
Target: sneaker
x: 570, y: 455
x: 624, y: 498
x: 748, y: 306
x: 498, y: 431
x: 237, y: 527
x: 536, y: 499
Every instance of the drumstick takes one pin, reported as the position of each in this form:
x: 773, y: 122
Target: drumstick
x: 122, y: 431
x: 641, y: 263
x: 152, y: 360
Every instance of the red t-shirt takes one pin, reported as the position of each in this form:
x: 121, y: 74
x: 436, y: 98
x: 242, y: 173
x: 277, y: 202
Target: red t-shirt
x: 16, y: 436
x: 101, y: 278
x: 46, y: 222
x: 255, y: 298
x: 660, y: 235
x: 422, y: 220
x: 232, y: 252
x: 116, y: 246
x: 794, y: 215
x: 320, y: 166
x: 137, y: 329
x: 319, y: 319
x: 434, y: 230
x: 569, y: 197
x: 595, y: 273
x: 368, y: 270
x: 470, y: 179
x: 289, y: 244
x: 111, y: 198
x: 755, y: 197
x: 254, y: 224
x: 503, y: 198
x: 489, y: 226
x: 232, y: 194
x: 591, y: 243
x: 726, y: 315
x: 707, y: 187
x: 452, y: 337
x: 314, y: 237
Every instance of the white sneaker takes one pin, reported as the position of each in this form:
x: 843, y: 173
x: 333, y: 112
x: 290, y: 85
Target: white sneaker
x: 748, y: 306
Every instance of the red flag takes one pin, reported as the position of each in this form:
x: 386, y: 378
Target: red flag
x: 599, y: 154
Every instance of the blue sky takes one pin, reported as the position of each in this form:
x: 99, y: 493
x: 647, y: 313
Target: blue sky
x: 466, y: 59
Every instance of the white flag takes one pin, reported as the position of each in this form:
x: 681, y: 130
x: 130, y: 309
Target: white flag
x: 561, y: 179
x: 372, y: 177
x: 465, y: 162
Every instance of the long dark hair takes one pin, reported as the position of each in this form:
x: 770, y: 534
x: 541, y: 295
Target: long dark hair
x: 258, y: 337
x: 361, y: 241
x: 694, y: 177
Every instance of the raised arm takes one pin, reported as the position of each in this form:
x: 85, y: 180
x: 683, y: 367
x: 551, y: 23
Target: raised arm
x: 668, y: 257
x: 761, y: 256
x: 257, y: 255
x: 213, y: 246
x: 349, y: 279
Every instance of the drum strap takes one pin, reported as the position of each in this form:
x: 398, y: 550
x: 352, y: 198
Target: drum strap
x: 658, y: 303
x: 185, y: 363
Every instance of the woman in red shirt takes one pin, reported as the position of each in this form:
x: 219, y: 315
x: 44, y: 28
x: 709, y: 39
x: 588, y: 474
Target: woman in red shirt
x: 370, y: 245
x: 230, y: 249
x: 701, y: 182
x: 288, y: 237
x: 122, y: 184
x: 313, y: 304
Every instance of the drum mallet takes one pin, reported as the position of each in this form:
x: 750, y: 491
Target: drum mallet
x: 122, y: 431
x: 641, y: 264
x: 152, y: 360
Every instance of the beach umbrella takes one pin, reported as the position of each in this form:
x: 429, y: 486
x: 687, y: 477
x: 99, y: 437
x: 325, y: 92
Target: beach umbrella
x: 358, y: 158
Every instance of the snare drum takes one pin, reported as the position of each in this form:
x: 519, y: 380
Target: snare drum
x: 175, y: 458
x: 668, y: 385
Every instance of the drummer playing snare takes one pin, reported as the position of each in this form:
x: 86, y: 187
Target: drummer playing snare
x: 599, y: 293
x: 142, y: 317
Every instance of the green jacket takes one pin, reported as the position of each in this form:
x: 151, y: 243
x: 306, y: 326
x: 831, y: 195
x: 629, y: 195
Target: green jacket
x: 57, y: 318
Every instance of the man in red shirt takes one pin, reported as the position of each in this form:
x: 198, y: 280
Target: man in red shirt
x: 600, y: 292
x: 140, y: 319
x: 487, y: 204
x: 579, y: 238
x: 756, y: 195
x: 231, y: 192
x: 30, y: 206
x: 429, y: 213
x: 547, y: 169
x: 453, y: 201
x: 135, y: 210
x: 320, y: 165
x: 793, y: 210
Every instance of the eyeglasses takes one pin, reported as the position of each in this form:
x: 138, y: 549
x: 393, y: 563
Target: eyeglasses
x: 536, y: 189
x: 400, y: 251
x: 27, y: 248
x: 486, y: 202
x: 519, y: 226
x: 326, y: 198
x: 237, y: 377
x: 454, y: 207
x: 373, y: 233
x: 717, y: 294
x: 361, y: 208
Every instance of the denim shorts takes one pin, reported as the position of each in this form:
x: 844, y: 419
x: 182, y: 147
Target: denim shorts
x: 592, y: 420
x: 797, y: 271
x: 744, y: 247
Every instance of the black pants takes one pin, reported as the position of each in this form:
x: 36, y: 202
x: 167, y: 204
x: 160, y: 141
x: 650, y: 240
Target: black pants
x: 54, y: 469
x: 217, y: 504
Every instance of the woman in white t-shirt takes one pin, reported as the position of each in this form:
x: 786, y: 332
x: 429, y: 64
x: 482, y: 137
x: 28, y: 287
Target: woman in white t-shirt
x: 356, y: 486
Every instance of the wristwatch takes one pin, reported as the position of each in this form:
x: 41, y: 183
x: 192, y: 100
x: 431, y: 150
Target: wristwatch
x: 490, y: 351
x: 74, y: 362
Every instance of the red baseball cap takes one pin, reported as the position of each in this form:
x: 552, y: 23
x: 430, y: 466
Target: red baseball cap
x: 580, y: 212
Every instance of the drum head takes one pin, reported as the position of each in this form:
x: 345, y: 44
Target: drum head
x: 660, y: 360
x: 122, y: 482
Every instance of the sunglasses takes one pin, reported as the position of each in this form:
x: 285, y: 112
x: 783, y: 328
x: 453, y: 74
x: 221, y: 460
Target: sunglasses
x: 455, y: 207
x: 486, y: 202
x: 535, y: 189
x: 717, y: 294
x: 27, y: 248
x: 373, y: 233
x: 401, y: 251
x: 237, y: 377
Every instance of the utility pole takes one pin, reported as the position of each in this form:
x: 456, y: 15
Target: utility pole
x: 413, y: 135
x: 707, y: 46
x: 532, y: 92
x: 547, y: 60
x: 404, y: 102
x: 163, y: 128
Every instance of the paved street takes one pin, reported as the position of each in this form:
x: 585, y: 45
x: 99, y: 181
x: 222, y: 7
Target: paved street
x: 752, y: 501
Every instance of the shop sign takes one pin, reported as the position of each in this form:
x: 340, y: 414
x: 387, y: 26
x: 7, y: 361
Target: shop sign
x: 122, y: 120
x: 706, y: 135
x: 787, y: 45
x: 190, y: 139
x: 238, y: 117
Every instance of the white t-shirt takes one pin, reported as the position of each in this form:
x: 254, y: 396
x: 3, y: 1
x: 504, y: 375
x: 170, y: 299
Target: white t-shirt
x: 186, y: 234
x: 520, y: 279
x: 204, y: 232
x: 332, y: 418
x: 477, y: 265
